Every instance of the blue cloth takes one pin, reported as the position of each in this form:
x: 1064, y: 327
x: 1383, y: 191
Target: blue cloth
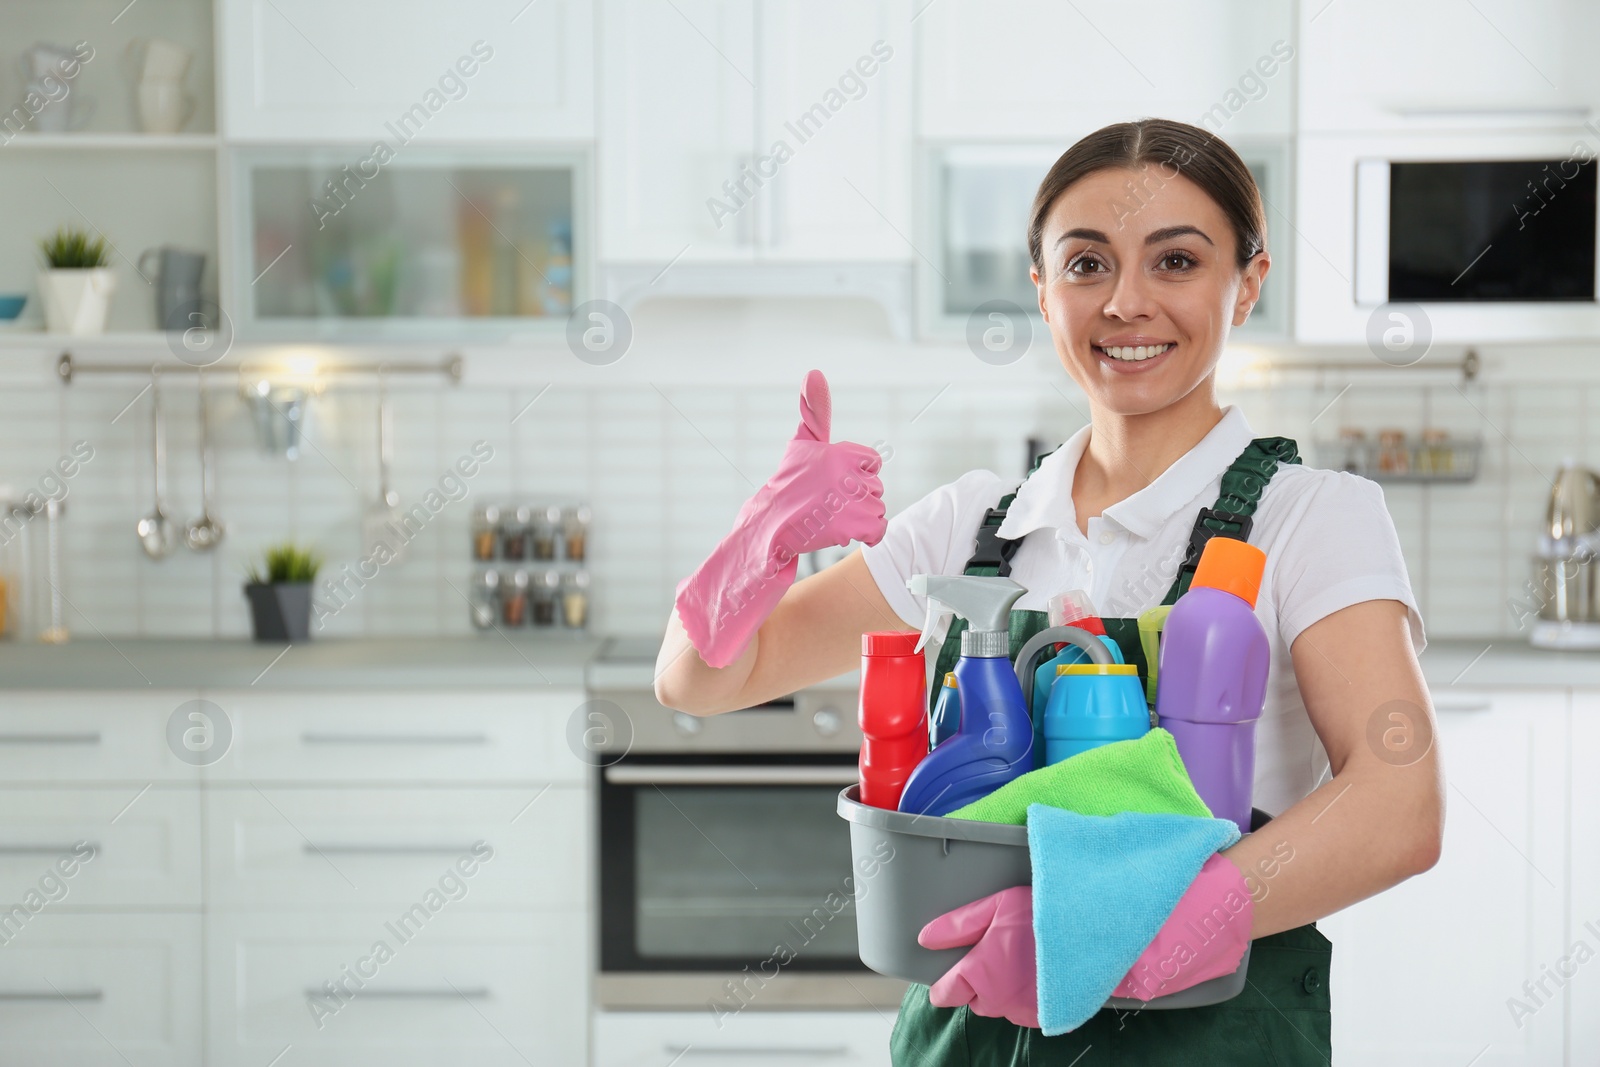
x: 1102, y: 888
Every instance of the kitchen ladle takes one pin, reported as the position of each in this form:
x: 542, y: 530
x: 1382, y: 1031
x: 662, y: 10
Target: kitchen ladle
x: 158, y: 534
x: 203, y: 533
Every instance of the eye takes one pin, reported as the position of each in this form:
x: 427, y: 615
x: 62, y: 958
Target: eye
x: 1177, y: 260
x: 1087, y: 263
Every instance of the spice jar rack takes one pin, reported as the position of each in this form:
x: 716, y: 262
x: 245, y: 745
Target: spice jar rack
x: 530, y: 566
x: 1394, y: 456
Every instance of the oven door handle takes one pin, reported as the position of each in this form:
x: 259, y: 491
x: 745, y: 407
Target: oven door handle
x: 622, y: 774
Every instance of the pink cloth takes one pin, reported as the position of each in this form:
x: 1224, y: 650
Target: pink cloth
x: 823, y: 494
x: 996, y: 977
x: 1202, y: 939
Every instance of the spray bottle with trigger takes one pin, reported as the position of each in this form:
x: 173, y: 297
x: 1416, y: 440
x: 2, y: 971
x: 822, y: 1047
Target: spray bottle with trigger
x: 994, y: 742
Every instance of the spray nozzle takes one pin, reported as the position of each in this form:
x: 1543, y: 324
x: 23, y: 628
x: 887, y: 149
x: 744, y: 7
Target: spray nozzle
x: 984, y: 602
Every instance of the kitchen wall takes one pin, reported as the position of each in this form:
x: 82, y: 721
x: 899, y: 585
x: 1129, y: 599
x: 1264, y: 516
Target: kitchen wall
x: 666, y: 468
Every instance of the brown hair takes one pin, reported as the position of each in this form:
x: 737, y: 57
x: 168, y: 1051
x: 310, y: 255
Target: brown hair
x: 1178, y: 148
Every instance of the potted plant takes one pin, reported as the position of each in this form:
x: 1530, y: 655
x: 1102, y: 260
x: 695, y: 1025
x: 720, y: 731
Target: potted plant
x: 280, y: 595
x: 76, y: 284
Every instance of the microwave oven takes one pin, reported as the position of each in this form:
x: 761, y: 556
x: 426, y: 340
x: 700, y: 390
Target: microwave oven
x: 1477, y: 231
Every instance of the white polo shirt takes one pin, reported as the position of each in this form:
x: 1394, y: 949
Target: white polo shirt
x: 1329, y: 540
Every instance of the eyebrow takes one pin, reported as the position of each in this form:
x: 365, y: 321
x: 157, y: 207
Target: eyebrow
x: 1155, y: 237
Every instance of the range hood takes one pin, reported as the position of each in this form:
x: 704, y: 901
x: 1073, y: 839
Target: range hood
x: 892, y: 286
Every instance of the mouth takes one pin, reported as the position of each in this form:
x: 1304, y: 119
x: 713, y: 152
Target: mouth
x: 1128, y: 357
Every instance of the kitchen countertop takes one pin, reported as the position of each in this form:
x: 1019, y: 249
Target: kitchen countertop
x: 628, y: 662
x: 473, y: 662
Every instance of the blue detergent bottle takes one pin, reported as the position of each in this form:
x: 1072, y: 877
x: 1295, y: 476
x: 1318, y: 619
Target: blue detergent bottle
x: 1072, y: 608
x: 1093, y: 704
x: 994, y: 742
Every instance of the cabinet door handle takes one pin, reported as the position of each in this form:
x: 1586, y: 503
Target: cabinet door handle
x: 15, y: 995
x: 1465, y: 705
x: 312, y: 849
x: 48, y: 850
x: 89, y: 737
x: 474, y: 993
x: 685, y: 1051
x: 312, y: 738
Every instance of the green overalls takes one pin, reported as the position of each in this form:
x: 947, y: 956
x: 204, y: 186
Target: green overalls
x: 1281, y: 1018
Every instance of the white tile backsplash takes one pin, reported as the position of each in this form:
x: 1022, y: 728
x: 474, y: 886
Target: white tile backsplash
x: 666, y: 470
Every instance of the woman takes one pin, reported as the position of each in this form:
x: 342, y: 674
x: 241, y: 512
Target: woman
x: 1148, y: 244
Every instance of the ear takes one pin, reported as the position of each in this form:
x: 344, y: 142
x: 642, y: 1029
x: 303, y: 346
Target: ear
x: 1255, y: 272
x: 1033, y: 273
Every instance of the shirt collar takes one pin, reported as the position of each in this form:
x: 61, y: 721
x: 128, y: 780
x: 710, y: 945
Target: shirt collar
x: 1045, y: 499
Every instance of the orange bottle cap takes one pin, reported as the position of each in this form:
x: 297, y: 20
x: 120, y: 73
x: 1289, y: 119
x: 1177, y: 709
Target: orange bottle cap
x: 1232, y: 566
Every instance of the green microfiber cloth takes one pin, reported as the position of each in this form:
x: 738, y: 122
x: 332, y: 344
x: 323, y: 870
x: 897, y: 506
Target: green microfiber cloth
x: 1144, y: 775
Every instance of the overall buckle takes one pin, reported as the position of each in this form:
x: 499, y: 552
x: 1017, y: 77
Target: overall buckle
x: 1202, y: 533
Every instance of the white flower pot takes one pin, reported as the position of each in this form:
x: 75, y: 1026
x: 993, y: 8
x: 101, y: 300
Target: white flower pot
x: 76, y: 300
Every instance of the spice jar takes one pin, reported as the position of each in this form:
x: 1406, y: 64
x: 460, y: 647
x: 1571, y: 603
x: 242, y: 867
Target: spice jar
x: 546, y: 591
x: 545, y: 532
x: 575, y: 523
x: 1393, y: 457
x: 1436, y: 451
x: 575, y: 599
x: 514, y: 598
x: 484, y: 597
x: 514, y: 533
x: 485, y: 529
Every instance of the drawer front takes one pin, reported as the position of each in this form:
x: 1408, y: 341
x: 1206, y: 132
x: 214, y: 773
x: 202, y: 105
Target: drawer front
x: 500, y: 990
x: 341, y: 738
x: 102, y: 991
x: 296, y: 847
x: 751, y: 1038
x: 100, y: 848
x: 81, y: 736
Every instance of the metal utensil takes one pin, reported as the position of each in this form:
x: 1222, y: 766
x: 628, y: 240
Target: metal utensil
x: 203, y: 533
x: 380, y: 524
x: 157, y: 533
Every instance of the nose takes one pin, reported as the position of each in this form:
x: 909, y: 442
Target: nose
x: 1130, y: 299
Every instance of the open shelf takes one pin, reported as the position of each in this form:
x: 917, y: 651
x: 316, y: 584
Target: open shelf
x: 78, y: 142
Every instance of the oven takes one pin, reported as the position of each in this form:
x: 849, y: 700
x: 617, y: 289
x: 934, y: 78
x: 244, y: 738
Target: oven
x: 724, y: 870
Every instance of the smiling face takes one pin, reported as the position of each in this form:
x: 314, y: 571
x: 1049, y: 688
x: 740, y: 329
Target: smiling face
x: 1140, y: 285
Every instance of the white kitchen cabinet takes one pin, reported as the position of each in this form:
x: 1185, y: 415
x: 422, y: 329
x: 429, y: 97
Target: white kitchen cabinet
x: 664, y: 155
x: 751, y: 1038
x: 102, y: 991
x: 786, y: 136
x: 388, y: 736
x: 1583, y: 913
x: 321, y: 849
x: 1038, y: 70
x: 305, y: 70
x: 836, y: 79
x: 1422, y: 973
x: 1465, y: 64
x: 120, y: 847
x: 497, y: 990
x: 48, y: 738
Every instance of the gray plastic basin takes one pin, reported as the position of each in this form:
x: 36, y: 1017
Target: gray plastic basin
x: 937, y: 865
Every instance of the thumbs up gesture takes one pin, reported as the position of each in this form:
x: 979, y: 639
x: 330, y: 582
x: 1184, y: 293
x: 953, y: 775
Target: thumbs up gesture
x: 823, y: 494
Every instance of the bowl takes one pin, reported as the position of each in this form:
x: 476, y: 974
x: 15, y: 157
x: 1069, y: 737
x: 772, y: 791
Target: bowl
x: 11, y: 305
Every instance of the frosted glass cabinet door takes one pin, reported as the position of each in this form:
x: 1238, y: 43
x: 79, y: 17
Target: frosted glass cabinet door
x: 1425, y: 974
x: 308, y: 70
x: 343, y: 242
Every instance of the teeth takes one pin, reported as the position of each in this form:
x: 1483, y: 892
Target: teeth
x: 1134, y: 353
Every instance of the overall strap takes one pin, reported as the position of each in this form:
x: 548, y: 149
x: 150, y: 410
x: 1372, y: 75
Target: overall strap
x: 1233, y: 514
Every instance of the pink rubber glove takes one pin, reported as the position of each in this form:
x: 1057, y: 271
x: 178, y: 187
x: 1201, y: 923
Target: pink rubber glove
x: 997, y: 977
x: 1203, y: 938
x: 822, y: 495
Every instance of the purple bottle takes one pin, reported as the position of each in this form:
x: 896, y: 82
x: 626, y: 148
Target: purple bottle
x: 1212, y: 681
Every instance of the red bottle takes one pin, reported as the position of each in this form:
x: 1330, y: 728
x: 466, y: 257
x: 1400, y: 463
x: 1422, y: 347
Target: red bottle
x: 894, y: 715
